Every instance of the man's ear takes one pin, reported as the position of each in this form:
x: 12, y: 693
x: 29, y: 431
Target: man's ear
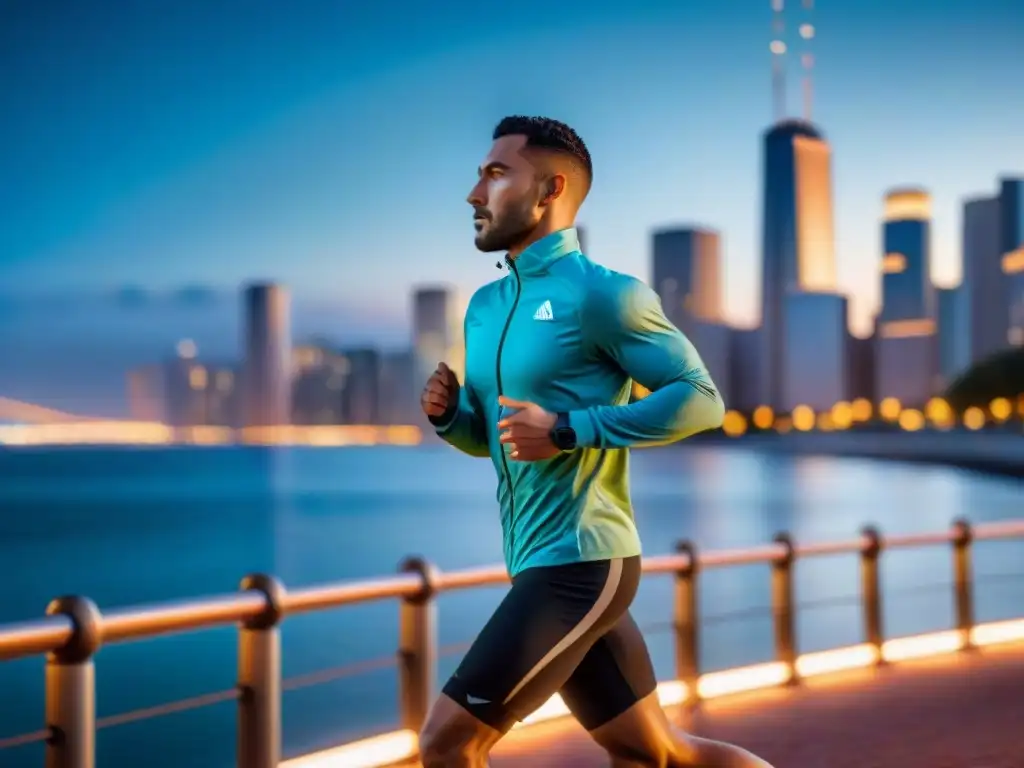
x: 554, y: 186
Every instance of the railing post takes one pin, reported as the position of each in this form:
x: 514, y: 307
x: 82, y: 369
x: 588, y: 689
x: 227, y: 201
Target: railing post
x: 871, y: 588
x: 687, y: 620
x: 782, y: 605
x: 259, y: 677
x: 417, y: 646
x: 71, y: 687
x: 963, y: 578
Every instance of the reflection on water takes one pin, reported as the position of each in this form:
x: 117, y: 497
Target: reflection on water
x: 129, y: 526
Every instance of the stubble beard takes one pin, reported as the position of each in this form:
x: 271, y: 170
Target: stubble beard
x: 507, y: 233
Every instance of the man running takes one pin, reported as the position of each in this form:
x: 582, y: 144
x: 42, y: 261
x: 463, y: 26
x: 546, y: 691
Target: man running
x: 551, y: 351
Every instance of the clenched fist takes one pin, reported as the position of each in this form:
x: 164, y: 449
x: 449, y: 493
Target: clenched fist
x: 441, y: 391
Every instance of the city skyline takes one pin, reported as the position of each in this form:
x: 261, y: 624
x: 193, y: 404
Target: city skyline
x: 193, y: 217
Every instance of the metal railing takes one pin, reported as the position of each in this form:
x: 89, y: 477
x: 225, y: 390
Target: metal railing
x: 74, y: 629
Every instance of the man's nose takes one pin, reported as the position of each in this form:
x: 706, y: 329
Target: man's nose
x: 476, y: 197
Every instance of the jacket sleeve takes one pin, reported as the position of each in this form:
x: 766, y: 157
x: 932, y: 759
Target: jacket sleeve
x: 462, y: 425
x: 623, y: 319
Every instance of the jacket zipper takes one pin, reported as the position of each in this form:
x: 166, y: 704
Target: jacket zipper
x: 501, y: 391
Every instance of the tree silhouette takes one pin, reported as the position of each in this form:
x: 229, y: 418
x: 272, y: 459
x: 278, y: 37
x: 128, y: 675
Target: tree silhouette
x: 1001, y: 375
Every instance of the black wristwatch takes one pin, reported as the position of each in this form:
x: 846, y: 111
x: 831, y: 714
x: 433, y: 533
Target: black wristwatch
x: 562, y: 435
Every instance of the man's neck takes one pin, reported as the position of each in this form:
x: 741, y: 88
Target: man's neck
x: 542, y: 230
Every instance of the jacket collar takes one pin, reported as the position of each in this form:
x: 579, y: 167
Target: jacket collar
x: 537, y: 259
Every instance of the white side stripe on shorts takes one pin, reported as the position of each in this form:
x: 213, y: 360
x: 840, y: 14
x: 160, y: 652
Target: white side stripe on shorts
x: 611, y: 586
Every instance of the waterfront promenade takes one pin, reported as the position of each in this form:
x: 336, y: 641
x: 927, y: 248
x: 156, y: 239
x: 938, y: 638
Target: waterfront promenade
x: 813, y: 708
x: 955, y: 711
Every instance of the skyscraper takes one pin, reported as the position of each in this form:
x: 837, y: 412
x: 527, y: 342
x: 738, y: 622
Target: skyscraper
x: 798, y: 250
x: 267, y: 367
x: 954, y: 334
x: 186, y: 382
x: 222, y: 396
x: 907, y: 291
x: 907, y: 346
x: 860, y: 367
x: 986, y: 297
x: 147, y: 396
x: 399, y: 395
x: 319, y: 378
x: 687, y: 274
x: 437, y: 331
x: 744, y: 364
x: 815, y: 351
x: 361, y: 396
x: 1011, y: 245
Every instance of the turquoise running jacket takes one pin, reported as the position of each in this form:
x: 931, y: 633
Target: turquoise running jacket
x: 572, y: 336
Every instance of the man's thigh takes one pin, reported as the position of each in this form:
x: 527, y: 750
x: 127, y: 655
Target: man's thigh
x: 539, y: 634
x: 614, y: 674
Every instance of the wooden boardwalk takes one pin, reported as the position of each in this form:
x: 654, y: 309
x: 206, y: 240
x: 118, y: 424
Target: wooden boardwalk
x: 959, y: 711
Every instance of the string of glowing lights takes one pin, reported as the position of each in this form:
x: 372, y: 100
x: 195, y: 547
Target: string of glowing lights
x: 937, y: 413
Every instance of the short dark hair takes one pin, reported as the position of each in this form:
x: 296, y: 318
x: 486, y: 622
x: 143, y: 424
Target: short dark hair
x: 545, y: 133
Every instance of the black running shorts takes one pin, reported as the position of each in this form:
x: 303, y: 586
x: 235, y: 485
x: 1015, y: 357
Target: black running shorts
x: 560, y: 629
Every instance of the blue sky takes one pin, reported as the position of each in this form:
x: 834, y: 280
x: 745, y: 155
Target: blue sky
x: 331, y: 146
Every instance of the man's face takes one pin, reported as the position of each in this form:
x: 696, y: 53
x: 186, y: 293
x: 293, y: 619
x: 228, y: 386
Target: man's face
x: 505, y: 199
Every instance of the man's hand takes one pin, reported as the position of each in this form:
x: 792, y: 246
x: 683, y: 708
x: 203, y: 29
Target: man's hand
x: 441, y: 390
x: 527, y: 431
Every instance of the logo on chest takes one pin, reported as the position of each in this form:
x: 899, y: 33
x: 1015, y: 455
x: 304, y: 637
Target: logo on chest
x: 544, y: 312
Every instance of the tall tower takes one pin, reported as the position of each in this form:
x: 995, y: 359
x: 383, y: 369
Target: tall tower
x: 437, y: 331
x: 807, y: 58
x: 778, y: 49
x: 1011, y: 236
x: 986, y: 297
x: 687, y: 275
x: 907, y: 291
x: 266, y: 373
x: 798, y: 248
x: 907, y: 353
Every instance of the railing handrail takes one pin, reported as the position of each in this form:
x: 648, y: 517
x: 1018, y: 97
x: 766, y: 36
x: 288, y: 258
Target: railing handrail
x: 51, y: 633
x: 74, y: 629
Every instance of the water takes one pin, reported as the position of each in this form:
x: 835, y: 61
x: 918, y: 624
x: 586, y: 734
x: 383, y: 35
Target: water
x: 133, y: 526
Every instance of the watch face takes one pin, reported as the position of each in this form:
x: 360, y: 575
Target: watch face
x: 566, y: 438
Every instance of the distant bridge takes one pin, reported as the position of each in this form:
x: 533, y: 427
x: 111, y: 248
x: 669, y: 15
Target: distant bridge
x: 16, y: 411
x: 27, y: 424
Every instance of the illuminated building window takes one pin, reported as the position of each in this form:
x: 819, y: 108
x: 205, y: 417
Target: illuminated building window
x: 908, y: 205
x: 905, y: 329
x: 197, y: 377
x: 1013, y: 262
x: 894, y: 263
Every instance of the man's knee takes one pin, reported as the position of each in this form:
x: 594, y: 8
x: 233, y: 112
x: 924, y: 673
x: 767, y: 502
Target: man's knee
x: 453, y: 738
x: 437, y: 750
x: 643, y: 737
x: 443, y: 746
